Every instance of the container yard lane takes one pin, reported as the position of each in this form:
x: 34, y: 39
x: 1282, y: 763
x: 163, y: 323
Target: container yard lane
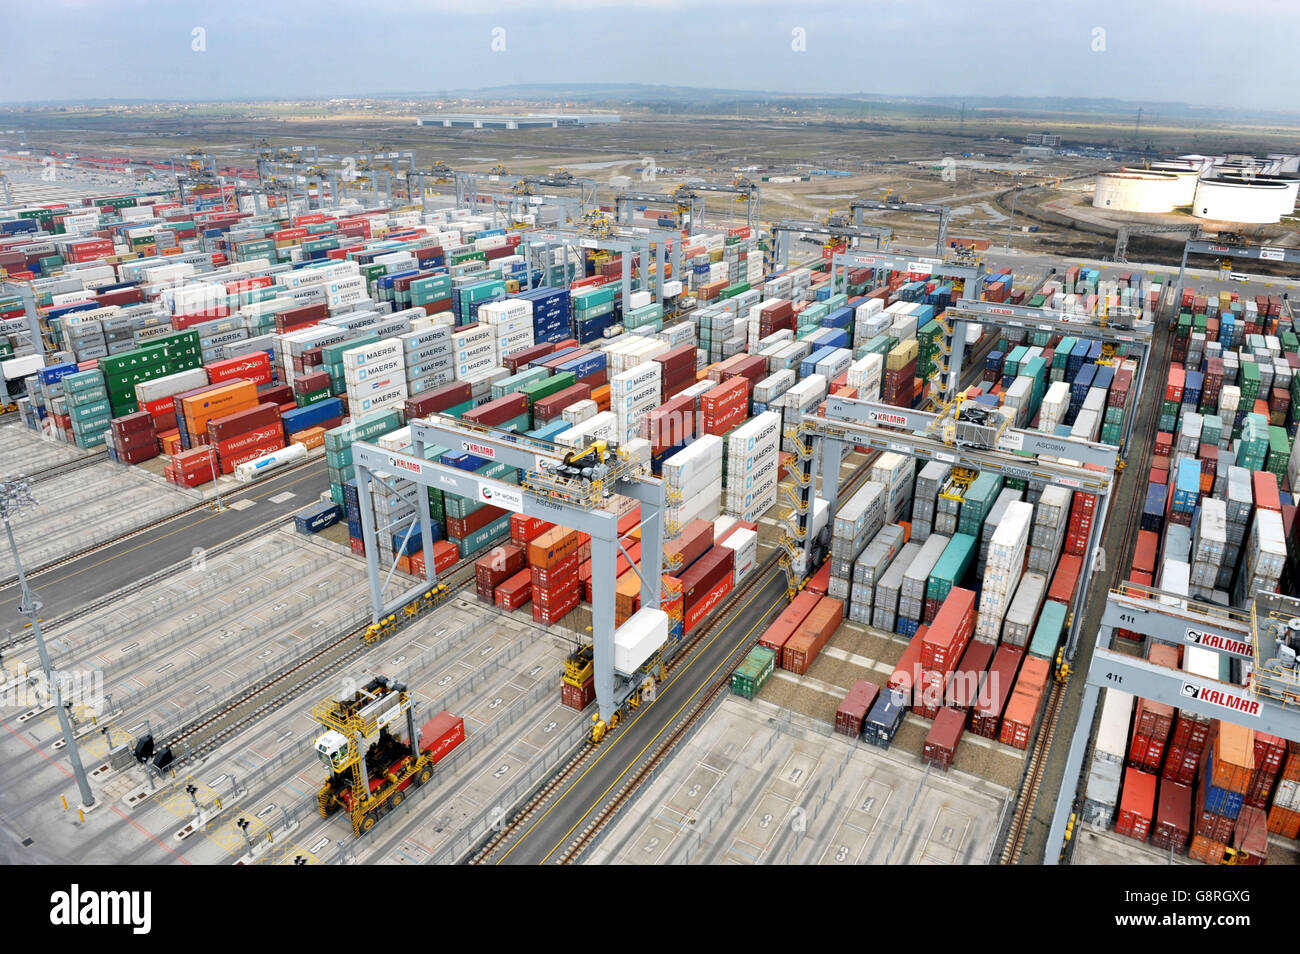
x: 68, y: 587
x: 576, y: 804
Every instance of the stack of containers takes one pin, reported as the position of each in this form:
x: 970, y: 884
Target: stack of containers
x: 705, y: 584
x: 870, y: 566
x: 511, y: 322
x: 942, y: 646
x: 1022, y: 614
x: 895, y: 471
x: 1049, y: 528
x: 553, y: 558
x: 884, y: 610
x: 427, y: 358
x: 1101, y: 792
x: 932, y: 477
x: 86, y: 397
x: 1003, y: 569
x: 855, y: 523
x: 134, y: 440
x: 751, y: 466
x: 1284, y: 815
x: 677, y: 370
x: 1227, y: 771
x: 246, y: 434
x: 912, y: 591
x: 1026, y: 700
x: 801, y: 649
x: 375, y: 376
x: 995, y: 514
x: 693, y: 483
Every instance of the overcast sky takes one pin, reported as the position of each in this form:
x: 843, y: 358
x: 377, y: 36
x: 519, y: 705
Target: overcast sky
x: 1193, y: 51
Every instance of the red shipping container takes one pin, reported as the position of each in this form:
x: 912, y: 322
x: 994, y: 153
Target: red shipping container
x: 1145, y: 553
x: 821, y: 580
x: 501, y: 563
x: 696, y: 612
x: 854, y: 708
x: 497, y: 412
x: 1025, y: 703
x: 1284, y: 822
x: 241, y: 422
x: 964, y: 687
x: 516, y: 591
x: 941, y: 741
x: 578, y: 698
x: 1173, y: 821
x: 258, y: 437
x: 950, y: 631
x: 525, y: 529
x: 558, y: 574
x: 704, y: 574
x: 230, y: 461
x: 549, y: 614
x: 519, y: 359
x: 1066, y: 579
x: 783, y: 627
x: 688, y: 546
x: 1136, y: 802
x: 255, y: 367
x: 462, y: 527
x: 439, y: 399
x: 802, y: 648
x: 906, y: 673
x: 552, y: 406
x: 996, y: 691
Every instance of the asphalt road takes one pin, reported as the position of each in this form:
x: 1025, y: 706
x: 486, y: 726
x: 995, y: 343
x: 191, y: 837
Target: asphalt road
x: 575, y: 804
x: 70, y: 585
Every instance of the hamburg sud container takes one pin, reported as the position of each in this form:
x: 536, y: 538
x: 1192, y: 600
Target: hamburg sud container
x: 706, y: 583
x: 789, y: 620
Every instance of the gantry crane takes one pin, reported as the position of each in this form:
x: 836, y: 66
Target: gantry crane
x: 371, y: 767
x: 892, y: 203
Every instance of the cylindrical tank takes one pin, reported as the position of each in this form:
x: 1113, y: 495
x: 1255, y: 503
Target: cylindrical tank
x: 1236, y: 199
x: 253, y: 469
x: 1136, y: 191
x: 1187, y: 173
x: 1290, y: 185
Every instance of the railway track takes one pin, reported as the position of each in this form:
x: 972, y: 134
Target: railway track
x: 1034, y: 774
x: 1033, y: 778
x: 762, y: 575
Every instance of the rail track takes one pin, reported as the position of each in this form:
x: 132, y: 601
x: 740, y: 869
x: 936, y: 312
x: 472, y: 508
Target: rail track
x: 1034, y: 773
x: 760, y: 578
x: 1033, y: 777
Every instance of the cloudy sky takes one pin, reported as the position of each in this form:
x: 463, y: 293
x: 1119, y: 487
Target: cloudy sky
x: 1193, y: 51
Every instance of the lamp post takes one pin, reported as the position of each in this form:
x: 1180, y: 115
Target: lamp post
x: 15, y: 497
x: 1015, y: 189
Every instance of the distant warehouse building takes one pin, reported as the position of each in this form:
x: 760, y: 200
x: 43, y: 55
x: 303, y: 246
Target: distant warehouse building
x: 529, y: 121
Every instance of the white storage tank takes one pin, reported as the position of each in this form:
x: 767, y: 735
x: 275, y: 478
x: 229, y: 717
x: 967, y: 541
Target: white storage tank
x: 1236, y: 199
x: 1186, y: 173
x: 1133, y: 191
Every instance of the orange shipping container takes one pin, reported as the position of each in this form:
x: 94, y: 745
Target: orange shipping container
x: 802, y: 648
x: 1026, y: 700
x: 1233, y: 765
x: 601, y: 396
x: 311, y: 437
x: 201, y: 408
x: 549, y: 548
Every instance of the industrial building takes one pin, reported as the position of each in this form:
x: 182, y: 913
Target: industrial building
x: 524, y: 121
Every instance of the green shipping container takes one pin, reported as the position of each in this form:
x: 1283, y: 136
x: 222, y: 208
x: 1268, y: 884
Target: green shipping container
x: 952, y: 566
x: 753, y: 672
x: 1047, y: 634
x: 480, y: 538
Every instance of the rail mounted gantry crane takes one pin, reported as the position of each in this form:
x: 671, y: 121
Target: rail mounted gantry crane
x: 1124, y: 232
x: 687, y: 203
x: 783, y: 233
x: 570, y: 487
x: 370, y: 766
x: 859, y: 208
x: 600, y: 234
